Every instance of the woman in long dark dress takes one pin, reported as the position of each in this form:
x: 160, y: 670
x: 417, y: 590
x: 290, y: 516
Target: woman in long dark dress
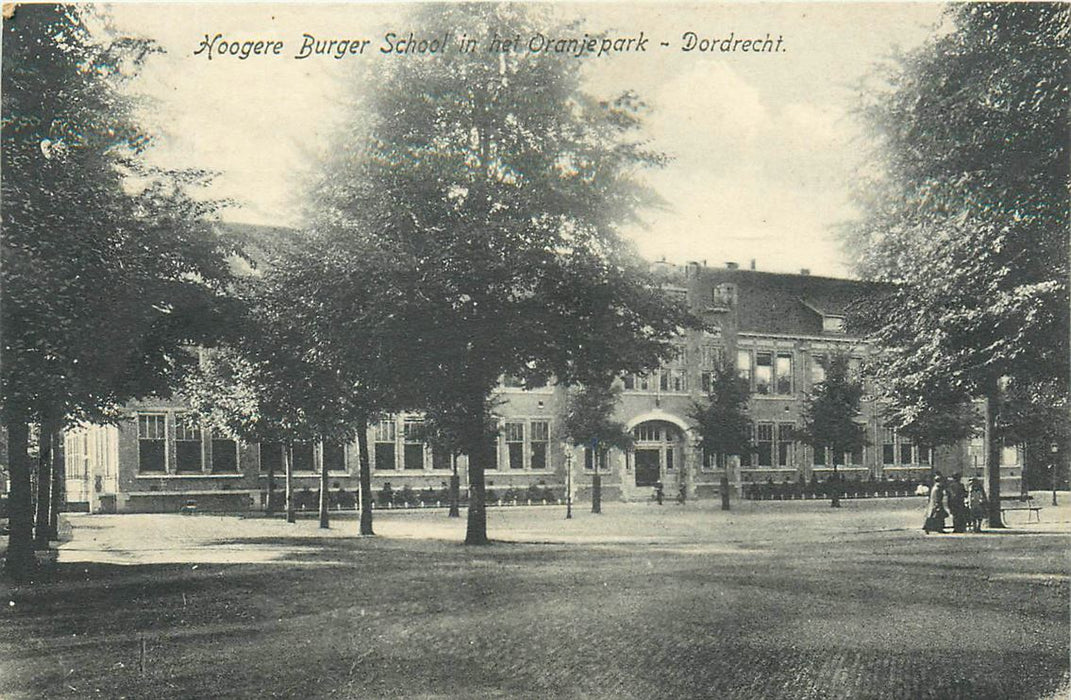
x: 935, y: 508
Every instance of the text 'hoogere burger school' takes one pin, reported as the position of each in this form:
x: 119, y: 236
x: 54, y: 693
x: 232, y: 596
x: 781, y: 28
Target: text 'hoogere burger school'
x: 415, y: 44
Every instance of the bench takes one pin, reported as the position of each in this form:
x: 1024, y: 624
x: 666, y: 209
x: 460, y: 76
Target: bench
x: 1026, y: 504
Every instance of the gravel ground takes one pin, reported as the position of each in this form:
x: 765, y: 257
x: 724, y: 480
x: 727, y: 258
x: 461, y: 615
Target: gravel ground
x: 769, y: 600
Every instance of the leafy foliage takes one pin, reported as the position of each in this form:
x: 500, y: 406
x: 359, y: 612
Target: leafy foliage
x: 968, y: 211
x: 722, y: 422
x: 830, y: 412
x: 109, y: 267
x: 589, y: 420
x: 495, y: 187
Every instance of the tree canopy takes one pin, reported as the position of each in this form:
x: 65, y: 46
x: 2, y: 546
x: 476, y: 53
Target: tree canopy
x: 967, y: 211
x: 723, y: 425
x: 497, y: 186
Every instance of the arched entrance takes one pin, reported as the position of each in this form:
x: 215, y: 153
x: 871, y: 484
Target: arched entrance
x: 657, y: 451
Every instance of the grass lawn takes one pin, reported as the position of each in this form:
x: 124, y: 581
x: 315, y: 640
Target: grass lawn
x: 770, y: 600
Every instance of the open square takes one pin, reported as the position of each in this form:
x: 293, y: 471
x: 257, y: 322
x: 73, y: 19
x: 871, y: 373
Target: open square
x: 771, y: 599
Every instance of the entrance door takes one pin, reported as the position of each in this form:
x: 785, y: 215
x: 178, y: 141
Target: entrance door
x: 648, y: 472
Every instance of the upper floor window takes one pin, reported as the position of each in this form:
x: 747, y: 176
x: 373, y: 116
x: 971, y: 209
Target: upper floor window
x: 783, y: 371
x: 763, y: 372
x: 743, y: 365
x: 818, y: 369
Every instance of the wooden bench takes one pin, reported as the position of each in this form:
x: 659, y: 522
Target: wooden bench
x: 1021, y: 504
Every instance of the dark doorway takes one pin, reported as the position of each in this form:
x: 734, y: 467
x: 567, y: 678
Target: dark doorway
x: 647, y: 467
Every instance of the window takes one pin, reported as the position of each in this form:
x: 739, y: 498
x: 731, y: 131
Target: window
x: 678, y: 380
x: 224, y: 455
x: 854, y: 458
x: 663, y: 380
x: 784, y: 373
x: 271, y: 457
x: 589, y: 465
x: 743, y: 365
x: 152, y: 442
x: 888, y: 446
x: 303, y: 457
x: 334, y: 456
x: 833, y: 324
x: 647, y: 433
x: 784, y: 443
x: 764, y: 440
x: 188, y: 453
x: 413, y: 447
x: 906, y: 450
x: 818, y: 457
x: 818, y: 369
x: 514, y: 433
x: 540, y: 437
x: 441, y: 459
x: 706, y: 380
x: 629, y: 380
x: 763, y: 372
x: 669, y: 459
x: 386, y: 432
x: 710, y: 356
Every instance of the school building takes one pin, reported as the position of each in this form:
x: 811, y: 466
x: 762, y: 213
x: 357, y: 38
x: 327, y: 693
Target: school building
x: 778, y: 329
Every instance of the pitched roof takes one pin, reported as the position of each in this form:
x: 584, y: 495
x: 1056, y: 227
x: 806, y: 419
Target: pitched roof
x: 771, y: 302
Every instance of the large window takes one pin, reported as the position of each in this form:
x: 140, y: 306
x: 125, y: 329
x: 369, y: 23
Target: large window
x: 224, y: 455
x: 271, y: 457
x: 785, y: 435
x: 743, y: 365
x: 334, y: 456
x: 783, y: 371
x: 514, y: 434
x: 304, y: 461
x: 152, y: 442
x: 413, y: 447
x: 888, y: 446
x: 386, y: 433
x: 763, y: 372
x: 818, y: 369
x: 764, y: 442
x: 188, y: 450
x: 540, y: 438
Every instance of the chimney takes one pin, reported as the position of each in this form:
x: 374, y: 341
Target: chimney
x: 805, y: 270
x: 753, y: 263
x: 732, y: 265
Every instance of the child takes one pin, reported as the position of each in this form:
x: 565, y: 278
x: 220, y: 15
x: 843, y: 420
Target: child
x: 978, y: 505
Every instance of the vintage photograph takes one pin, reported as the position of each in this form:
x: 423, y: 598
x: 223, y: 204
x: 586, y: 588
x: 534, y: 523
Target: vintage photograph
x: 535, y: 349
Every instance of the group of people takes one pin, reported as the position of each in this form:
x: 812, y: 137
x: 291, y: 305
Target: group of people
x: 968, y: 506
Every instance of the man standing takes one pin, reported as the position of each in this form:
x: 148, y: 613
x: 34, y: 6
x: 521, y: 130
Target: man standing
x: 957, y: 503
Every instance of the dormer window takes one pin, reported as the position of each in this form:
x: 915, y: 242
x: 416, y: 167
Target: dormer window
x: 832, y: 324
x: 724, y: 295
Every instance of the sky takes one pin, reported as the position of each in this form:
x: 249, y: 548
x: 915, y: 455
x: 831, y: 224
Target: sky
x: 764, y: 146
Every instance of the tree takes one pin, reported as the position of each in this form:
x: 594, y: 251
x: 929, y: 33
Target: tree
x: 85, y: 332
x: 722, y: 422
x: 588, y: 422
x: 967, y: 212
x: 829, y: 418
x: 499, y: 186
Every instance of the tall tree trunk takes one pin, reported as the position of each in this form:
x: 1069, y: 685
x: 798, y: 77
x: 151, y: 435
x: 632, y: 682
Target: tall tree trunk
x: 476, y: 529
x: 270, y: 506
x: 20, y: 562
x: 44, y: 483
x: 365, y: 476
x: 288, y: 465
x: 596, y: 482
x: 59, y: 484
x: 455, y: 491
x: 325, y: 500
x: 834, y: 491
x: 992, y: 459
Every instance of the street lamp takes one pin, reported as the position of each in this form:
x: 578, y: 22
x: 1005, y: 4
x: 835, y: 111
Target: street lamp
x: 568, y: 484
x: 1054, y: 449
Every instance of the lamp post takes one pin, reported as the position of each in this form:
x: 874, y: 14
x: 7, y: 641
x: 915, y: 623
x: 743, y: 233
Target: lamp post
x: 568, y: 484
x: 1054, y: 449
